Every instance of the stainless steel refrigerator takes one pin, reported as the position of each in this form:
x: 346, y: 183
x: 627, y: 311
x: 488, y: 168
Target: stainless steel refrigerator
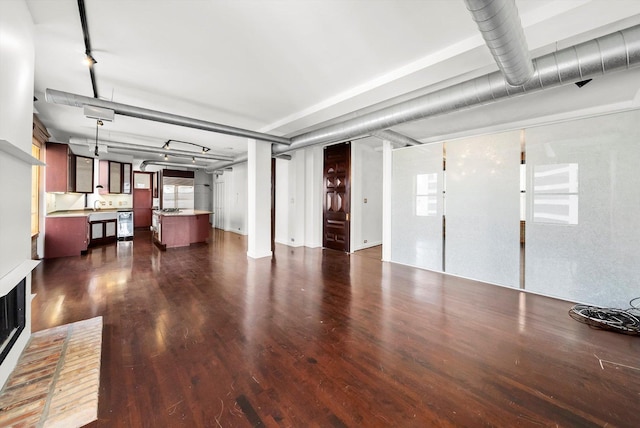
x: 177, y: 192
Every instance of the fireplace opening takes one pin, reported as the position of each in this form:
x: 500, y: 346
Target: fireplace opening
x: 12, y: 318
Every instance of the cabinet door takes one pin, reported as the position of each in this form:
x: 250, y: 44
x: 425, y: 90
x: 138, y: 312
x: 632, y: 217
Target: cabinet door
x: 110, y: 228
x: 56, y: 171
x: 126, y: 178
x: 97, y: 230
x: 84, y: 174
x: 115, y: 177
x: 65, y: 236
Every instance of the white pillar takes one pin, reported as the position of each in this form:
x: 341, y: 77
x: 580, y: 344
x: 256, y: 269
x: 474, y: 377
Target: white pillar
x: 259, y: 204
x: 386, y: 200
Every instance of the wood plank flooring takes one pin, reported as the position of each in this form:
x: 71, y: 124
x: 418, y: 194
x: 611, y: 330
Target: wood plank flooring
x: 205, y: 337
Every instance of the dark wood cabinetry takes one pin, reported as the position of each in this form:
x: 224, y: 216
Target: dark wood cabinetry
x: 65, y: 236
x: 181, y: 230
x: 102, y: 232
x: 57, y: 169
x: 115, y: 177
x: 66, y: 172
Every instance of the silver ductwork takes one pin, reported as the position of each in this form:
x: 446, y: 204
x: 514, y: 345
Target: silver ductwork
x: 66, y: 98
x: 616, y: 51
x: 146, y: 149
x: 499, y: 23
x: 395, y: 137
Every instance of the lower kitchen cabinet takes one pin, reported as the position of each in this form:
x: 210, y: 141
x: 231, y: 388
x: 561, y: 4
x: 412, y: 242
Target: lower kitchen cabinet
x: 65, y: 236
x: 103, y: 232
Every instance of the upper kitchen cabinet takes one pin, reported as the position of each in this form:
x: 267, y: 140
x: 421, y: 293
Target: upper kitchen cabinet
x: 83, y: 174
x: 115, y: 177
x: 57, y: 169
x: 66, y: 172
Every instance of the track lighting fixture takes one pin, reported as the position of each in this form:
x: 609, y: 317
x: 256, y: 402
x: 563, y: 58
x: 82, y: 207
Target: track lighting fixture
x: 204, y: 149
x: 166, y: 157
x: 193, y: 160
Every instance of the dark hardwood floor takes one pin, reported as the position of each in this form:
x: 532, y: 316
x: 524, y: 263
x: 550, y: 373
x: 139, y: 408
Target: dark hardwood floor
x: 205, y: 337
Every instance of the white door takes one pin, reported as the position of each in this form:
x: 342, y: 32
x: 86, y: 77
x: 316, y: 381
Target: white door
x: 218, y: 209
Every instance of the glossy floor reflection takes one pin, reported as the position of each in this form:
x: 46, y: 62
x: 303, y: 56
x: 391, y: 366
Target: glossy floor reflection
x: 204, y: 336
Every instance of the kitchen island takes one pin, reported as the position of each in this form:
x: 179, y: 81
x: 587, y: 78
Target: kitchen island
x: 180, y: 228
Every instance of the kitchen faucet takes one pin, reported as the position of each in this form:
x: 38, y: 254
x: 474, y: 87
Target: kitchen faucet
x: 95, y: 208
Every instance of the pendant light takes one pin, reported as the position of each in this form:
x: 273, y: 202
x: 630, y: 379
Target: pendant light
x: 98, y: 123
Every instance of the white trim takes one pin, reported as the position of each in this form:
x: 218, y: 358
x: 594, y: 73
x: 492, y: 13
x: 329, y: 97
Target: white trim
x: 13, y: 277
x: 19, y: 154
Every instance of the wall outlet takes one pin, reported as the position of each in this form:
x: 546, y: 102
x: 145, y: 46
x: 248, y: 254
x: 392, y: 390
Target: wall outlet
x: 365, y: 200
x: 110, y: 203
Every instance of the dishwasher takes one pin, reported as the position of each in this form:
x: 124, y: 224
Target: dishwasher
x: 125, y: 224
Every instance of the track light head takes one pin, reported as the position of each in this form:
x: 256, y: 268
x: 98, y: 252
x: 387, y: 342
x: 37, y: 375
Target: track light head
x: 89, y: 60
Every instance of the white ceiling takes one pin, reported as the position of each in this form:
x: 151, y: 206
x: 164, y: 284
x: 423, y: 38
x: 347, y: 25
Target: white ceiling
x: 283, y: 66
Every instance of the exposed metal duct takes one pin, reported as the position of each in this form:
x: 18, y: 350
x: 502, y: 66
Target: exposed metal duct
x: 147, y: 149
x: 395, y: 137
x: 499, y: 23
x: 616, y: 51
x: 66, y: 98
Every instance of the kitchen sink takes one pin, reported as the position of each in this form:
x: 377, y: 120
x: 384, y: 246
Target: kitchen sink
x: 99, y: 216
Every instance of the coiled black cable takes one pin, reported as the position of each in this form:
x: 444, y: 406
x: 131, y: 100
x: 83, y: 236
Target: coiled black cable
x: 626, y: 321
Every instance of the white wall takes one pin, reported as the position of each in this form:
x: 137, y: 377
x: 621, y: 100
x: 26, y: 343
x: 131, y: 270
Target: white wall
x: 16, y: 118
x: 203, y: 192
x: 314, y: 158
x: 366, y: 185
x: 291, y: 200
x: 299, y: 199
x: 282, y: 202
x: 236, y: 199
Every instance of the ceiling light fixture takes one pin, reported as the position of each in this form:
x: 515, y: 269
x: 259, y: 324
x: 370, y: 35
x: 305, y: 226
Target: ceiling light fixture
x: 193, y: 160
x: 166, y: 157
x: 204, y: 149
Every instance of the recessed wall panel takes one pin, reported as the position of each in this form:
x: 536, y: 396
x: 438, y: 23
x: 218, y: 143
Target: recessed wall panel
x: 416, y: 213
x: 483, y: 208
x: 583, y: 222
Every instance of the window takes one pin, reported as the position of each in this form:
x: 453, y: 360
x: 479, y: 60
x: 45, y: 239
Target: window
x: 555, y: 193
x: 35, y: 190
x: 426, y: 195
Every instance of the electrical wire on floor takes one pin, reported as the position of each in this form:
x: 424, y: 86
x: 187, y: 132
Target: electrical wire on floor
x: 626, y: 321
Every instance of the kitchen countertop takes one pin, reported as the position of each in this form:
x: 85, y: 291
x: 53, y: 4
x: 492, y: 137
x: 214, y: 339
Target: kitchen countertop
x: 182, y: 212
x: 85, y: 213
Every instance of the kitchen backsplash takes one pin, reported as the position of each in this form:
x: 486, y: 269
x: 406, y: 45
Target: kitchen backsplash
x: 76, y: 201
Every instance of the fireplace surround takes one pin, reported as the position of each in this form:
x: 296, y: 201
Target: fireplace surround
x: 12, y: 317
x: 15, y: 315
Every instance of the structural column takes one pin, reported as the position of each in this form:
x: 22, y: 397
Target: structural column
x: 259, y: 204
